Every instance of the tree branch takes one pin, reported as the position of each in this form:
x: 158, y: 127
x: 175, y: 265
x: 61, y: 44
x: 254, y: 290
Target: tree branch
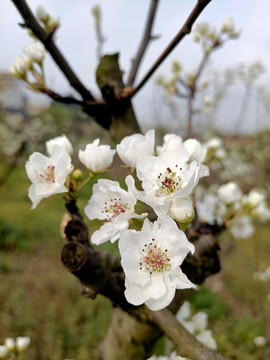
x: 186, y: 344
x: 46, y: 39
x: 145, y: 41
x: 186, y: 29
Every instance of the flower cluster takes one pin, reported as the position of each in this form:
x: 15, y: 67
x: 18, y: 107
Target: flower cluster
x: 14, y: 347
x: 167, y: 176
x: 229, y: 206
x: 210, y: 38
x: 197, y: 325
x: 30, y: 64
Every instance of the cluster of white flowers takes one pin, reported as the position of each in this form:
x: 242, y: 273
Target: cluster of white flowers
x: 14, y: 347
x: 25, y: 65
x: 197, y: 325
x: 227, y: 205
x: 151, y: 258
x: 209, y: 37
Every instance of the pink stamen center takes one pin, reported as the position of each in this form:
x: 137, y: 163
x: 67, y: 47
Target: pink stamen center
x: 48, y: 175
x: 154, y: 259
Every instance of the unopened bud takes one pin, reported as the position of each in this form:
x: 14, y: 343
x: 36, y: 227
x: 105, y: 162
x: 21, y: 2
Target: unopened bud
x: 77, y: 175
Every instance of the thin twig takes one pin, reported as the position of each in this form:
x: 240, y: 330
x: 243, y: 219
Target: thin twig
x: 91, y: 106
x: 186, y: 29
x: 46, y: 39
x: 144, y: 43
x: 96, y: 12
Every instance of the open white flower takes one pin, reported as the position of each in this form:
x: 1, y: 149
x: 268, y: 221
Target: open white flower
x: 111, y: 203
x: 62, y: 141
x: 35, y: 51
x: 167, y: 177
x: 229, y: 193
x: 133, y: 147
x: 95, y: 157
x: 151, y: 260
x: 242, y: 228
x: 48, y: 174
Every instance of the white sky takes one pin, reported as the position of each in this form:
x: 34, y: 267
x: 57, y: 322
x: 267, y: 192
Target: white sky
x: 123, y: 22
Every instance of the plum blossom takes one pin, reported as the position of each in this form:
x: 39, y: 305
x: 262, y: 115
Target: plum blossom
x: 62, y: 141
x: 111, y: 203
x: 167, y: 177
x: 151, y: 260
x: 3, y: 351
x: 48, y: 174
x: 260, y: 341
x: 95, y: 157
x: 10, y: 344
x: 135, y: 146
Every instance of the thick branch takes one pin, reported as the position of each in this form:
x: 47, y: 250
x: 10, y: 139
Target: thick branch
x: 186, y: 29
x: 145, y: 41
x: 186, y: 344
x: 46, y: 39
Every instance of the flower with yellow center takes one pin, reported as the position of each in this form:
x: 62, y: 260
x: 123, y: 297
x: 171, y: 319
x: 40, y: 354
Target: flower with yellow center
x: 151, y: 260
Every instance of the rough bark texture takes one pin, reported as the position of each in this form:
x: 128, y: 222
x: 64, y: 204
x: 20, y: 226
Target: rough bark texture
x: 109, y: 80
x: 128, y: 338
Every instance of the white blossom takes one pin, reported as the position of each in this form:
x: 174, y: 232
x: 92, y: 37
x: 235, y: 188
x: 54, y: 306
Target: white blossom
x: 3, y: 351
x: 195, y: 149
x: 21, y: 66
x: 206, y: 338
x: 10, y: 344
x: 260, y: 341
x: 181, y: 210
x: 22, y: 343
x: 62, y: 141
x: 151, y: 260
x: 196, y: 325
x: 261, y: 212
x: 170, y: 142
x: 42, y: 13
x: 48, y: 174
x: 95, y: 157
x: 167, y: 177
x: 229, y: 193
x: 242, y: 228
x: 35, y: 51
x: 111, y: 203
x: 136, y: 146
x: 253, y: 199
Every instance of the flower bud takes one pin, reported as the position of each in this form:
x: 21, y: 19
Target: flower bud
x: 3, y: 351
x: 77, y: 175
x: 10, y: 344
x: 182, y: 211
x: 42, y: 14
x: 22, y: 343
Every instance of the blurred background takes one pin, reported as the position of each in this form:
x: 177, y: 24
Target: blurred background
x: 232, y: 101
